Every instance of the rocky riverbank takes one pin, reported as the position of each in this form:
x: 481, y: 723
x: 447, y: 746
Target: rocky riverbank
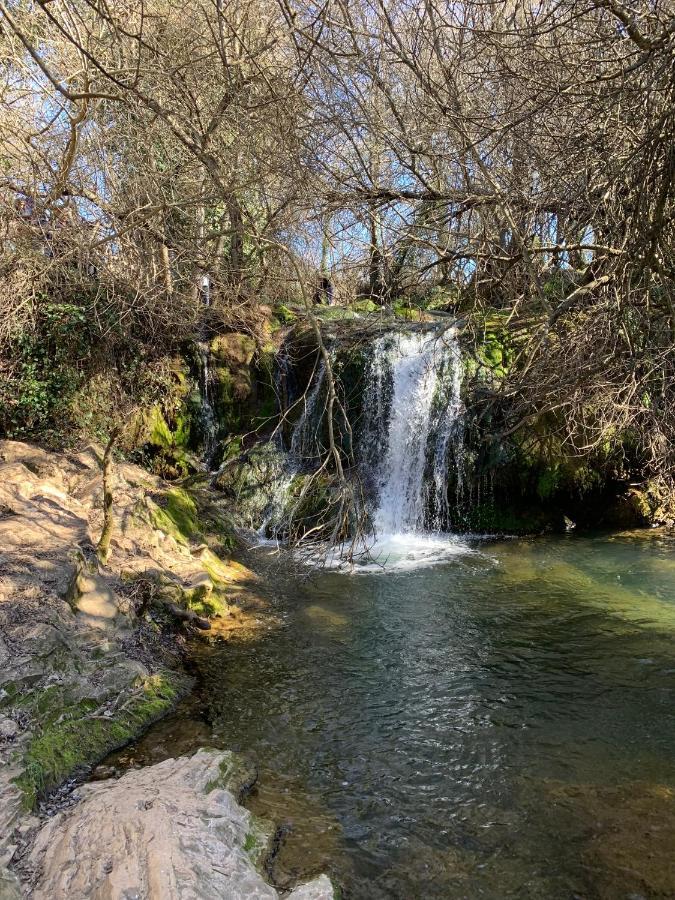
x: 90, y: 656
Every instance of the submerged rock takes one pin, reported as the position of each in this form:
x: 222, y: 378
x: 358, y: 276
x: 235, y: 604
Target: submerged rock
x: 166, y: 832
x: 630, y: 835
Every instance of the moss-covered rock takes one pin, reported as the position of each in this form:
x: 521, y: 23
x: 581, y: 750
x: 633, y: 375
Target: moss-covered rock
x: 73, y: 738
x: 236, y: 774
x: 284, y: 314
x: 630, y: 510
x: 164, y: 435
x: 231, y: 379
x: 364, y: 306
x: 175, y: 512
x: 253, y: 481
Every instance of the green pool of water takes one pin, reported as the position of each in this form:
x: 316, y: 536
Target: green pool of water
x: 499, y: 725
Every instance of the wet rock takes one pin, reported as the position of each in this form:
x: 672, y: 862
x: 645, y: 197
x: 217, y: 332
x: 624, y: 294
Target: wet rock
x: 8, y: 729
x: 318, y: 889
x: 170, y: 831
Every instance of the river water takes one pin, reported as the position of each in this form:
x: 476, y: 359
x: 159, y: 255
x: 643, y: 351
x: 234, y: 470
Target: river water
x: 499, y: 724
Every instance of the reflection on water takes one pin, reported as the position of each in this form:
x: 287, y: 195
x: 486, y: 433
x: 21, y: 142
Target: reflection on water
x: 498, y: 725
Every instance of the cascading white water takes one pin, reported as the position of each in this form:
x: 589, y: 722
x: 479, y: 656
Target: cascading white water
x: 449, y: 440
x: 413, y: 408
x: 401, y: 481
x: 410, y: 449
x: 304, y: 436
x: 208, y: 415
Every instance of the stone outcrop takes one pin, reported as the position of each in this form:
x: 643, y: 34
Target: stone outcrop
x: 85, y: 663
x: 172, y: 831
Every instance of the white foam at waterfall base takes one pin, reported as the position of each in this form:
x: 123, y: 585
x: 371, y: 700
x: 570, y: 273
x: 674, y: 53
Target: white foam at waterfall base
x: 400, y: 552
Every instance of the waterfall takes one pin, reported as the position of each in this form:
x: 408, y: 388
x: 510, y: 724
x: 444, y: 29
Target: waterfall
x: 209, y: 424
x: 304, y: 438
x: 413, y: 431
x: 408, y: 427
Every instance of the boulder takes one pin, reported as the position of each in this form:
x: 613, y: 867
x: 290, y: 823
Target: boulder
x: 171, y: 831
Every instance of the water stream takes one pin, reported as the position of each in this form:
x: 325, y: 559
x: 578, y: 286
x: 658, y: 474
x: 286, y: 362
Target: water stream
x: 499, y: 725
x: 412, y: 434
x: 209, y: 424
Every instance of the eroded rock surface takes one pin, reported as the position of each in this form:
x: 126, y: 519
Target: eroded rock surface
x: 84, y: 667
x: 171, y: 831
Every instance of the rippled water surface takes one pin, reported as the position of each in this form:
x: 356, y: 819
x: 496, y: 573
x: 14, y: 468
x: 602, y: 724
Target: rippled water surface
x: 501, y: 724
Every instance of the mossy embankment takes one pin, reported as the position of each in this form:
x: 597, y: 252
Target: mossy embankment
x: 92, y: 655
x: 71, y: 738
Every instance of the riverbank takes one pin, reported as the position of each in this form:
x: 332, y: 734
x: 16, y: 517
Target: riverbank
x: 90, y: 656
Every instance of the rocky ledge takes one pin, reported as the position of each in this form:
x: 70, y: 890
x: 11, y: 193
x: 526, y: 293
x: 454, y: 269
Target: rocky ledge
x: 90, y: 656
x: 172, y: 830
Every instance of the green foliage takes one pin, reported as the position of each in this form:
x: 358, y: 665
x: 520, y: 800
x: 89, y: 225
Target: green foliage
x: 548, y: 483
x: 47, y: 371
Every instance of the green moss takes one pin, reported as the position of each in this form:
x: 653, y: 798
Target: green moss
x: 249, y: 842
x: 159, y: 433
x: 409, y: 313
x: 258, y: 841
x: 285, y: 315
x: 166, y: 442
x: 76, y: 739
x: 215, y: 567
x: 493, y: 354
x: 42, y: 704
x: 364, y: 306
x: 177, y: 515
x: 207, y: 603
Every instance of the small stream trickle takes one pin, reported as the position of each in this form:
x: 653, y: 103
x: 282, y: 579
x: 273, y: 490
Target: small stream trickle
x: 209, y: 423
x: 304, y: 439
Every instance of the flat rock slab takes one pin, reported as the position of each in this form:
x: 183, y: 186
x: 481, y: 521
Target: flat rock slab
x: 166, y: 832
